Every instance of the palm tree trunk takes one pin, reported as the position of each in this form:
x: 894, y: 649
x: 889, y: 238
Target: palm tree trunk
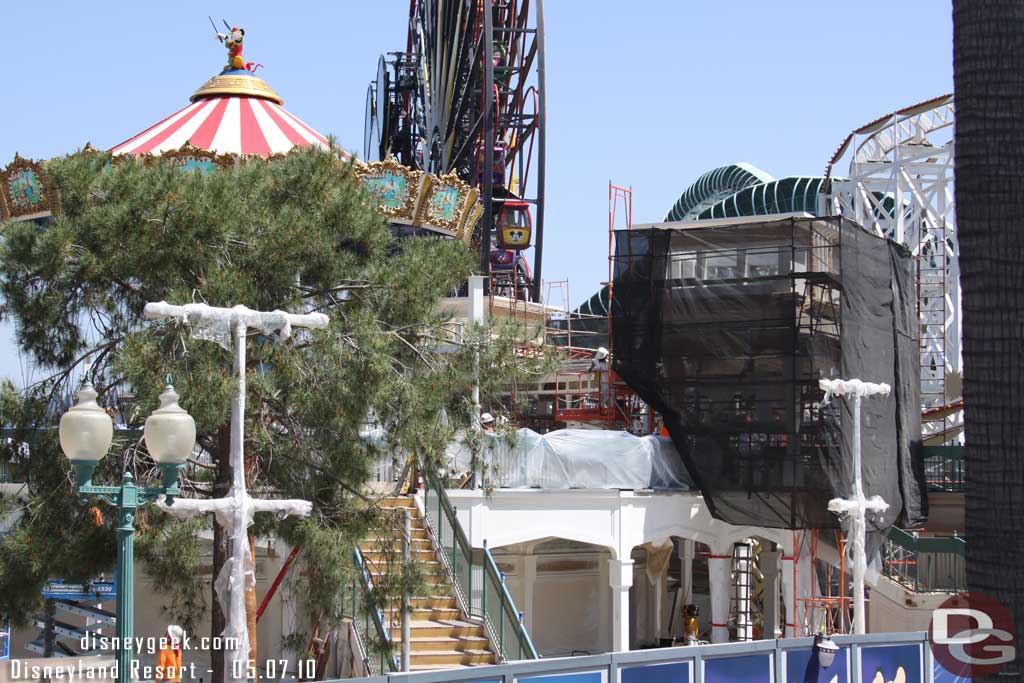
x: 988, y: 75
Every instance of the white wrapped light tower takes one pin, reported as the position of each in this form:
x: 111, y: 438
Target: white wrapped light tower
x: 857, y: 506
x: 228, y: 327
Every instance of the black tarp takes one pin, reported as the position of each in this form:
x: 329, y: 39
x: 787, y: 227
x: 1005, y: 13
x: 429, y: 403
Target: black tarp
x: 726, y: 331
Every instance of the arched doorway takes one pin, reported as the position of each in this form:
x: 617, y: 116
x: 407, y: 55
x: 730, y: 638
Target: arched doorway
x: 562, y: 588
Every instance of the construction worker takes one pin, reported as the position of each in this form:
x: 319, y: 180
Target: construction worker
x: 487, y: 423
x: 599, y: 366
x: 168, y: 663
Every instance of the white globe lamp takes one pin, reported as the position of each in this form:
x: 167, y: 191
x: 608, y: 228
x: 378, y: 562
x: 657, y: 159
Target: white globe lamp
x: 86, y: 432
x: 170, y: 435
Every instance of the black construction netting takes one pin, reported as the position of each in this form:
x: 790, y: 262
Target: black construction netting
x: 726, y: 332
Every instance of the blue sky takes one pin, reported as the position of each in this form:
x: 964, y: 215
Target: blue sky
x: 643, y: 93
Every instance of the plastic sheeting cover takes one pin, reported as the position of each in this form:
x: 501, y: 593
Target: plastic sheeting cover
x: 575, y: 458
x: 214, y: 324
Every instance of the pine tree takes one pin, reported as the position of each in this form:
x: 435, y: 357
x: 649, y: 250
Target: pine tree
x: 295, y: 233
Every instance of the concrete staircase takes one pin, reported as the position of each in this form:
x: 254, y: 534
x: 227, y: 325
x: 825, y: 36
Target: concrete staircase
x: 442, y: 636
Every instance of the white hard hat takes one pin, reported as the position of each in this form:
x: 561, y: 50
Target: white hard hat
x: 601, y: 353
x: 486, y: 418
x: 176, y: 632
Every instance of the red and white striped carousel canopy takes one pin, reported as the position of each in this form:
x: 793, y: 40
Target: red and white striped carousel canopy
x: 232, y: 113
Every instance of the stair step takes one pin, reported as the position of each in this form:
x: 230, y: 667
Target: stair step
x: 435, y: 613
x: 417, y: 524
x: 464, y: 657
x: 433, y: 579
x: 394, y: 544
x: 391, y: 517
x: 434, y: 601
x: 393, y: 536
x: 404, y: 501
x: 435, y: 589
x: 441, y: 614
x: 434, y: 584
x: 449, y: 643
x: 428, y: 567
x: 416, y: 555
x: 451, y: 628
x: 386, y: 504
x: 441, y: 636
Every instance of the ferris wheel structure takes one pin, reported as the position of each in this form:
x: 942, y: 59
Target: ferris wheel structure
x: 466, y: 97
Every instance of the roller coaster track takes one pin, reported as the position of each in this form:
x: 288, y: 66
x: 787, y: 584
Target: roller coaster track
x: 899, y: 184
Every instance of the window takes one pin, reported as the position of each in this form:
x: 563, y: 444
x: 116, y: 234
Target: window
x: 682, y: 265
x: 763, y: 263
x: 722, y: 267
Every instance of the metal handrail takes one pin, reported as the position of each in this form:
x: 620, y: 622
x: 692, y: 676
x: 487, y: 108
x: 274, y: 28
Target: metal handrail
x: 458, y: 543
x: 508, y: 606
x: 944, y: 468
x: 925, y: 565
x: 376, y: 614
x: 502, y: 622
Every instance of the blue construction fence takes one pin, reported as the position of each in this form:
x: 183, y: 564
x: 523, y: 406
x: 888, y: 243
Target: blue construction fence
x: 874, y: 658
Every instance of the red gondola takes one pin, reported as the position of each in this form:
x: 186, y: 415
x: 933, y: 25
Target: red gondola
x: 515, y: 226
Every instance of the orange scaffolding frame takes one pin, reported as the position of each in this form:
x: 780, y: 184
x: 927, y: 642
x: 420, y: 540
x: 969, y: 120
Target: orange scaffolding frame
x: 831, y: 599
x: 573, y: 402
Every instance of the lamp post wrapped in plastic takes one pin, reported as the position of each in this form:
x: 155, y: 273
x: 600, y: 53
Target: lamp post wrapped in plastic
x: 229, y: 327
x: 857, y: 506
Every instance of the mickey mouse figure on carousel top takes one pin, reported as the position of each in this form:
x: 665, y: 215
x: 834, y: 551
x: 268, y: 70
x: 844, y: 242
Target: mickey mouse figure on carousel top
x: 233, y: 42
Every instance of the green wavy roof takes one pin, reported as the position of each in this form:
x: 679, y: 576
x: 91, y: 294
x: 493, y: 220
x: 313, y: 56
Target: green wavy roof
x: 715, y: 185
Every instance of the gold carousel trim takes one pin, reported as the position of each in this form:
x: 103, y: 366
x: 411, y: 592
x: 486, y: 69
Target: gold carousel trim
x: 443, y: 204
x: 20, y: 206
x: 245, y: 86
x: 397, y: 188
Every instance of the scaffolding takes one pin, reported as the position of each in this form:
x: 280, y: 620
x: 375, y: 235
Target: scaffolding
x: 598, y: 395
x: 741, y: 599
x: 827, y: 604
x: 931, y: 296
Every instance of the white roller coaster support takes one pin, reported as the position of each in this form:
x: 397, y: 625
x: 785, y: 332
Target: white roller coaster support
x: 907, y: 159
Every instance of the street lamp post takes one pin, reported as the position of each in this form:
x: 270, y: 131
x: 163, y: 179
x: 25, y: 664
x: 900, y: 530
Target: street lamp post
x: 86, y: 432
x: 856, y: 506
x: 229, y: 327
